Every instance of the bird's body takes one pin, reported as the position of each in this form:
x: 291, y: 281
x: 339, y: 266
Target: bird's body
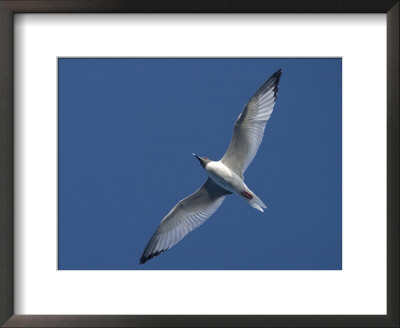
x: 225, y: 176
x: 229, y: 180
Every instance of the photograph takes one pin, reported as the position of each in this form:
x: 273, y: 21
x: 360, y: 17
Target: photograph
x: 199, y: 163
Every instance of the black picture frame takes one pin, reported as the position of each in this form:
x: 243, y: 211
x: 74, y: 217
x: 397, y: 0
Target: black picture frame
x: 10, y: 7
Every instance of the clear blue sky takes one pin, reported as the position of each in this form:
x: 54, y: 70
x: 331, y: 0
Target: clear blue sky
x: 127, y: 131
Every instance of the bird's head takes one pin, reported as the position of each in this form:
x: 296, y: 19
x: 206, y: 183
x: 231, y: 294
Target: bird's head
x: 203, y: 160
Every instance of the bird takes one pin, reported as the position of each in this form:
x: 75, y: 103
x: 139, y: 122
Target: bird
x: 225, y: 177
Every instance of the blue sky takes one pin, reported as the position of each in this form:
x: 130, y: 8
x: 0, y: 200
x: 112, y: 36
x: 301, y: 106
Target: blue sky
x: 127, y: 131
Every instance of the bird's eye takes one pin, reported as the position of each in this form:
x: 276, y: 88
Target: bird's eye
x: 205, y: 158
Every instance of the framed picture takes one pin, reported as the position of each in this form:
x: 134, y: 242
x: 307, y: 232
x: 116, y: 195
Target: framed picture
x: 100, y: 117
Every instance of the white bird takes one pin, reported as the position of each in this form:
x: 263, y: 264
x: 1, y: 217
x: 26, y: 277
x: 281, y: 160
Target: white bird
x: 225, y: 176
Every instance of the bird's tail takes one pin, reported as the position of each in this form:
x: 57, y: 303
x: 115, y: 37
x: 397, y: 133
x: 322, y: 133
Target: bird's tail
x: 253, y: 200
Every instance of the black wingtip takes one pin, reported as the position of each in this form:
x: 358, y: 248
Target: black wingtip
x: 144, y: 258
x: 277, y: 76
x: 271, y: 84
x: 273, y: 79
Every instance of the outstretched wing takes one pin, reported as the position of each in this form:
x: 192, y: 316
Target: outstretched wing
x: 187, y: 215
x: 250, y: 125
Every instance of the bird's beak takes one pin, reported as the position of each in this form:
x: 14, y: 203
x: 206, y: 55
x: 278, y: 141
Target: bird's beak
x: 197, y: 157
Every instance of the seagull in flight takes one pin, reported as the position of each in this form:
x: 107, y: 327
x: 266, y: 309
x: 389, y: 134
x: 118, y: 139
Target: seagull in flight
x: 225, y: 177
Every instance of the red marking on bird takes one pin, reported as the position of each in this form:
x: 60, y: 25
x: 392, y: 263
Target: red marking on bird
x: 247, y: 194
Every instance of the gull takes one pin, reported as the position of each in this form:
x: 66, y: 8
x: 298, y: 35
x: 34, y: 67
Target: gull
x: 225, y: 177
